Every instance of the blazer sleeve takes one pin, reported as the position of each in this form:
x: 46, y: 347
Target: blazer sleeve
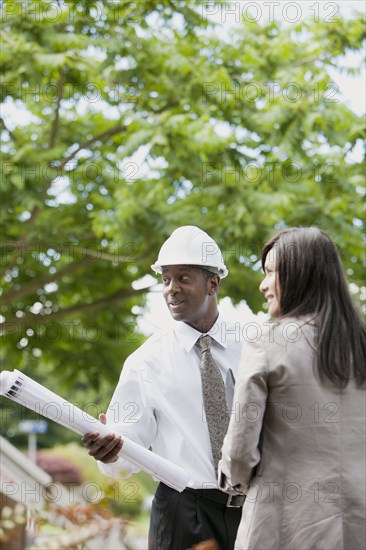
x: 241, y: 451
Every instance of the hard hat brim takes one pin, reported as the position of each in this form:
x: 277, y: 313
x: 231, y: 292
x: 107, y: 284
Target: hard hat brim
x: 222, y: 273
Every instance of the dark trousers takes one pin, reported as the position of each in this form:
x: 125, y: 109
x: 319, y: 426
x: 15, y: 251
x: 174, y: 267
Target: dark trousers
x: 180, y: 520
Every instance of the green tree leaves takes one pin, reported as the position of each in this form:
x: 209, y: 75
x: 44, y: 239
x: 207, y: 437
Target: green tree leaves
x: 136, y: 117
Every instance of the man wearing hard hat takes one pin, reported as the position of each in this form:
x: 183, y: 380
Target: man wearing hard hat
x: 174, y: 395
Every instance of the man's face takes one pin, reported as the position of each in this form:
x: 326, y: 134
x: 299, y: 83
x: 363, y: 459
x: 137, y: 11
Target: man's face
x: 190, y: 294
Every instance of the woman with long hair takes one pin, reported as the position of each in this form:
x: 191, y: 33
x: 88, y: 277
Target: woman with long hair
x: 296, y: 440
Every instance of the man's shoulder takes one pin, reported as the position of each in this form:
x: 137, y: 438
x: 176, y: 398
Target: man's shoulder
x: 152, y: 346
x: 158, y: 338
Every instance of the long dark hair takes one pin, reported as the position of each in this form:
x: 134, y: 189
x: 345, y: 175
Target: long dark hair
x: 312, y: 281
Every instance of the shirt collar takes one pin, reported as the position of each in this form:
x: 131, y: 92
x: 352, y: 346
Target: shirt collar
x: 188, y: 335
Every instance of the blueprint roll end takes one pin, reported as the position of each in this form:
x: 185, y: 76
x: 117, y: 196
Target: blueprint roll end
x: 6, y: 378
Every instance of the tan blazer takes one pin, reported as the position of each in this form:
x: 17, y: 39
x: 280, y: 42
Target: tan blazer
x: 296, y: 446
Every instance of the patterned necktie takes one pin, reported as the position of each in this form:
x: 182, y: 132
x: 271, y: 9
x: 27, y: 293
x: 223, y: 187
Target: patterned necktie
x: 214, y: 400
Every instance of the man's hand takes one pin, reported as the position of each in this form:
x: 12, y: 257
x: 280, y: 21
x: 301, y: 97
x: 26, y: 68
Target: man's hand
x: 104, y: 448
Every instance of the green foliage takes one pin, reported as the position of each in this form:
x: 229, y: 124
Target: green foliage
x: 137, y: 118
x: 122, y: 496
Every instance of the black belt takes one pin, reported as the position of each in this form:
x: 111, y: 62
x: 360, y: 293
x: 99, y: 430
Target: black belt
x: 230, y: 501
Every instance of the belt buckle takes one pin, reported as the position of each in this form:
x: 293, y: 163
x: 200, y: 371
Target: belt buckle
x: 229, y: 501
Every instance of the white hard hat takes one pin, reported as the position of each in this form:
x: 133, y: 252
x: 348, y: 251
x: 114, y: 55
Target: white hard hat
x: 189, y: 245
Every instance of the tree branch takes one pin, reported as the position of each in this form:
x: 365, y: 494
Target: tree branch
x: 89, y: 254
x: 311, y: 59
x: 2, y: 122
x: 172, y: 103
x: 55, y: 122
x: 39, y: 282
x: 103, y: 135
x: 26, y: 322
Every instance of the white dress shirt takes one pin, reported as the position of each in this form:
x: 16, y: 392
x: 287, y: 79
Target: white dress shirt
x: 158, y: 400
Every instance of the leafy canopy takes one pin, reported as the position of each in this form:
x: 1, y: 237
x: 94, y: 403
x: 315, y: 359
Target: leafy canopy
x: 137, y: 117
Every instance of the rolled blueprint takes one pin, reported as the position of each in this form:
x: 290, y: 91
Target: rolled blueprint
x: 23, y: 390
